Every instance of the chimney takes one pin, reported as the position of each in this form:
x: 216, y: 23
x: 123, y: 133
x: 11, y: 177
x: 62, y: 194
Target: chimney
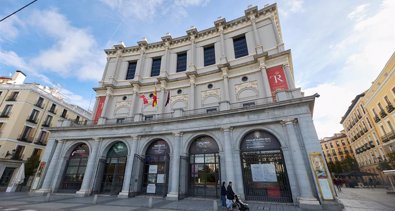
x: 18, y: 77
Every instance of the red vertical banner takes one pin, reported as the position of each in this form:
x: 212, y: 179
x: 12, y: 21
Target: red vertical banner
x: 277, y: 79
x: 99, y: 109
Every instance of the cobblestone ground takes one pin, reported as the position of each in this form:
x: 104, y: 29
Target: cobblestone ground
x: 365, y: 199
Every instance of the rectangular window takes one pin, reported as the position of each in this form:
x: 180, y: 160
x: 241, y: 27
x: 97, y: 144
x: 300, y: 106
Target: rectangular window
x: 33, y: 116
x: 390, y: 126
x: 211, y: 110
x: 64, y: 113
x: 77, y: 119
x: 42, y: 138
x: 247, y: 105
x: 36, y: 152
x: 155, y: 69
x: 18, y: 153
x: 13, y: 96
x: 240, y: 46
x: 131, y: 70
x: 52, y: 109
x: 148, y: 117
x: 40, y: 102
x: 181, y: 62
x: 47, y: 121
x: 25, y: 136
x: 209, y: 55
x: 7, y: 111
x: 120, y: 120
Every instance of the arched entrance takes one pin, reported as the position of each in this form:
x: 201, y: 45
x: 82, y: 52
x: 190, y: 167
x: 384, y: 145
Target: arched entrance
x: 204, y: 168
x: 75, y: 169
x: 156, y: 168
x: 114, y: 169
x: 264, y: 174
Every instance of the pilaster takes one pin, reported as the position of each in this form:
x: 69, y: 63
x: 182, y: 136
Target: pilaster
x: 91, y: 166
x: 228, y: 154
x: 129, y: 167
x: 175, y: 167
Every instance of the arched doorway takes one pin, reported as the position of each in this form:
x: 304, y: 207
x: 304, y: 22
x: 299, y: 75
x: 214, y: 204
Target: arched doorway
x: 204, y: 168
x: 114, y: 169
x: 156, y: 169
x: 75, y: 169
x: 264, y: 174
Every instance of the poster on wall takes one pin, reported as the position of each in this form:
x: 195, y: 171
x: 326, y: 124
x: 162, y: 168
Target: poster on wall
x: 277, y: 79
x: 153, y: 169
x: 160, y: 178
x: 265, y: 172
x: 151, y: 188
x: 99, y: 109
x: 321, y: 176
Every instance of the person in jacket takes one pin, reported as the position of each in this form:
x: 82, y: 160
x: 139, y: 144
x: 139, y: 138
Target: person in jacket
x: 230, y: 195
x: 223, y: 194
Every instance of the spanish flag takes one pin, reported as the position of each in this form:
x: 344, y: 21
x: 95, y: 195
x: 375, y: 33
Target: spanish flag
x: 154, y: 98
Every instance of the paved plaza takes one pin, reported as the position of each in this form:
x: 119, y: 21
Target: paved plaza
x: 353, y: 199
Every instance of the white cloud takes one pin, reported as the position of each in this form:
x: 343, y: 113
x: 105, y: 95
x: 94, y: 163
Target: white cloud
x: 359, y: 12
x: 9, y: 29
x: 148, y: 9
x: 366, y: 49
x: 291, y: 7
x: 75, y: 52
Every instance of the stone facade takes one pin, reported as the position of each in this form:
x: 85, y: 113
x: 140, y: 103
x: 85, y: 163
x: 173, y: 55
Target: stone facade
x: 219, y: 105
x: 336, y: 147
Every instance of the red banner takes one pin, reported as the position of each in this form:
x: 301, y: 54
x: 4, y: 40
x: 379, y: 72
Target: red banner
x: 277, y: 79
x: 99, y: 109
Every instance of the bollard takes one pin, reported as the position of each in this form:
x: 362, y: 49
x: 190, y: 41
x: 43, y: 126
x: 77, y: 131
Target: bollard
x: 150, y: 202
x: 94, y: 199
x: 48, y: 198
x: 215, y: 205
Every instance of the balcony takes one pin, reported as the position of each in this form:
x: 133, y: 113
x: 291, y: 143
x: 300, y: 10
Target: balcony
x: 46, y: 124
x: 39, y: 105
x: 4, y: 115
x: 27, y: 139
x: 53, y: 111
x: 383, y: 114
x: 40, y: 142
x: 11, y: 98
x: 376, y: 119
x: 34, y: 121
x: 390, y: 108
x: 388, y: 137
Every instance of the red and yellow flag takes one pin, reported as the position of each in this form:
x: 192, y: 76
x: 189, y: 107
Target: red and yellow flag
x: 154, y: 98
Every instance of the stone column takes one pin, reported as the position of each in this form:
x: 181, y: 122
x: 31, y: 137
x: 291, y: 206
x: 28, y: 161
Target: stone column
x: 90, y: 170
x: 162, y: 96
x: 46, y: 187
x: 175, y: 167
x: 225, y: 102
x: 228, y: 155
x: 135, y: 99
x: 289, y: 76
x: 129, y: 167
x: 265, y: 80
x: 192, y: 94
x: 140, y: 64
x: 301, y: 171
x: 192, y: 32
x: 108, y: 95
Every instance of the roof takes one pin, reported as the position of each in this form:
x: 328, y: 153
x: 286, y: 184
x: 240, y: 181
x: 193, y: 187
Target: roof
x: 353, y: 102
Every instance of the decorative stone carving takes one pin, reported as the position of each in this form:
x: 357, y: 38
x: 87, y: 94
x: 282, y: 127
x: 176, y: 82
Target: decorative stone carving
x: 251, y: 84
x: 246, y: 90
x: 122, y: 108
x: 210, y: 97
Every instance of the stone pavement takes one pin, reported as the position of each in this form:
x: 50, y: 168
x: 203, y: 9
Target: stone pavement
x: 64, y: 202
x: 366, y: 199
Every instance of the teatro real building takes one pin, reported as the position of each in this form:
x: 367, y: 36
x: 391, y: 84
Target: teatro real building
x: 175, y: 118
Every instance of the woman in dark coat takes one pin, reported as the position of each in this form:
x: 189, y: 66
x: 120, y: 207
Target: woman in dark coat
x: 223, y: 194
x: 230, y: 195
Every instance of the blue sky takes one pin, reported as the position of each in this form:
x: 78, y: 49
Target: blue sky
x: 338, y: 47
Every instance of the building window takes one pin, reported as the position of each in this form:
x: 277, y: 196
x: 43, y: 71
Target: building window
x: 181, y: 62
x: 249, y: 104
x: 363, y: 110
x: 211, y: 110
x: 240, y: 46
x: 64, y: 113
x: 120, y: 120
x: 390, y: 126
x: 40, y: 102
x: 326, y: 147
x: 393, y: 90
x: 148, y: 117
x: 209, y: 55
x: 210, y: 86
x: 33, y: 116
x: 47, y: 121
x: 387, y: 100
x: 25, y: 136
x: 42, y: 138
x: 179, y: 91
x: 7, y: 111
x: 52, y: 109
x: 36, y: 152
x: 131, y: 70
x: 244, y: 78
x: 13, y: 96
x: 155, y: 69
x: 77, y: 119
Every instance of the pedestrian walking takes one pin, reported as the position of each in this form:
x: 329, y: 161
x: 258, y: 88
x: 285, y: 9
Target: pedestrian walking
x: 230, y: 196
x: 223, y: 194
x: 370, y: 183
x: 338, y: 184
